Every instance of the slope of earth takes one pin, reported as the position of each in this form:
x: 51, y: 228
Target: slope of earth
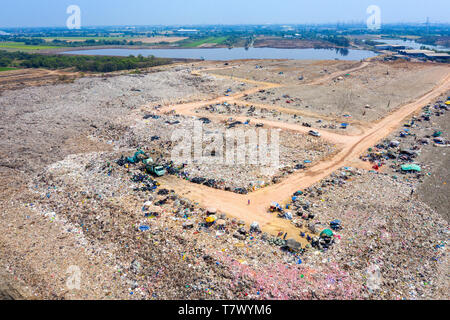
x: 367, y: 94
x: 435, y: 189
x: 284, y: 71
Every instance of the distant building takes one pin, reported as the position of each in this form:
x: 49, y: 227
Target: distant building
x: 392, y: 47
x: 397, y: 47
x: 416, y: 53
x: 187, y: 30
x: 427, y: 54
x: 439, y: 57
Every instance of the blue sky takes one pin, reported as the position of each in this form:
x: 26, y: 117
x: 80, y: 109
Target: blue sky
x: 34, y: 13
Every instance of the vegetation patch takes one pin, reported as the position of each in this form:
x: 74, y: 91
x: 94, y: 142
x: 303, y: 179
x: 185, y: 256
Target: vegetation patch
x: 23, y: 46
x: 79, y: 63
x: 199, y: 42
x: 6, y: 69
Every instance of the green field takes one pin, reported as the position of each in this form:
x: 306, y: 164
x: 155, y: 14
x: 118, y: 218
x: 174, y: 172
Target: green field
x: 217, y: 40
x: 6, y: 69
x: 22, y: 46
x: 85, y: 38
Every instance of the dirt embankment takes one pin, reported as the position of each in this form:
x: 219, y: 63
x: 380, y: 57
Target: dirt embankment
x: 23, y: 78
x: 435, y: 188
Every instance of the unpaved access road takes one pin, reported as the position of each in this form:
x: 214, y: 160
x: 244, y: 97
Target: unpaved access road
x: 352, y: 147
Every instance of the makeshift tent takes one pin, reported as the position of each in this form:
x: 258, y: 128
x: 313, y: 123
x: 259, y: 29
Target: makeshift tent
x: 326, y: 233
x: 411, y: 167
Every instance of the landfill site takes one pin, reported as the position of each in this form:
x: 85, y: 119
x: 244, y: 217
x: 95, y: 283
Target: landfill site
x: 354, y: 206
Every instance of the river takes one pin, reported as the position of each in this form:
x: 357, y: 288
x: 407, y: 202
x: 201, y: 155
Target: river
x: 223, y: 54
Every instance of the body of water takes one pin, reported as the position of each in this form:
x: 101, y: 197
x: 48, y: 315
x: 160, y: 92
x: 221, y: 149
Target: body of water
x: 411, y: 44
x: 236, y: 53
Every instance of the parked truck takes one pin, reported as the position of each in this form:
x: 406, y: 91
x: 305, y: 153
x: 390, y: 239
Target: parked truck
x: 155, y: 169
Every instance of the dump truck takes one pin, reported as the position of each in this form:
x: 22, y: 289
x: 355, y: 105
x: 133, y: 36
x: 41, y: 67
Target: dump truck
x: 155, y: 169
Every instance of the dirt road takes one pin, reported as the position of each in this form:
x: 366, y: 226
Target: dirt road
x: 352, y: 147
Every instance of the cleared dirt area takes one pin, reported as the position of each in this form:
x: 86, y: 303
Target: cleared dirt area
x: 284, y: 71
x: 22, y: 78
x: 367, y: 94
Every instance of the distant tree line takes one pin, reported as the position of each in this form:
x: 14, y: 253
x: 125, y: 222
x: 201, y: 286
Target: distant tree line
x: 80, y: 63
x: 67, y: 43
x: 94, y: 42
x: 435, y: 40
x: 337, y: 40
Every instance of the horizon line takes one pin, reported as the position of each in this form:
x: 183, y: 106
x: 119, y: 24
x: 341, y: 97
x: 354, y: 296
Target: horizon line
x: 418, y: 24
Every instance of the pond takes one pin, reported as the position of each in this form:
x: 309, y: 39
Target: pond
x: 224, y: 54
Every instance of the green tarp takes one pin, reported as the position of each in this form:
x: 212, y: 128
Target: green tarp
x: 326, y: 233
x: 411, y: 167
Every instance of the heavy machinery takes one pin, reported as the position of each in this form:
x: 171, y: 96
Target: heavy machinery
x: 154, y: 168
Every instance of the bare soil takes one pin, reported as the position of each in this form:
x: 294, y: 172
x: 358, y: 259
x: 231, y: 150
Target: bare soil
x: 366, y: 94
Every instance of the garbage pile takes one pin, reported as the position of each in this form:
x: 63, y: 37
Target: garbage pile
x: 154, y: 135
x: 249, y: 110
x: 401, y: 152
x: 296, y: 152
x: 162, y: 245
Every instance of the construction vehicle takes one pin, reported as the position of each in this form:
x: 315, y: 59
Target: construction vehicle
x: 156, y: 170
